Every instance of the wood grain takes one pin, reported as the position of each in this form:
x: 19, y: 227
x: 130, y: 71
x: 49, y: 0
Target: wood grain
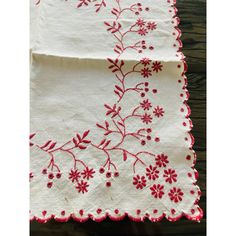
x: 193, y: 25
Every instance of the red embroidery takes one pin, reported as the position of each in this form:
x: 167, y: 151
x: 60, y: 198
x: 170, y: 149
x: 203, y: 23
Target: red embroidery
x: 176, y: 195
x: 157, y: 190
x: 80, y: 172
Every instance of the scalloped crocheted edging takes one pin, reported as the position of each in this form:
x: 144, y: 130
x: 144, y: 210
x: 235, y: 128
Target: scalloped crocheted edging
x: 178, y: 40
x: 119, y: 218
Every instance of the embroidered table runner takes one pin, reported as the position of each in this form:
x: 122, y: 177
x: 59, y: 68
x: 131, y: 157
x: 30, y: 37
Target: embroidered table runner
x: 110, y: 128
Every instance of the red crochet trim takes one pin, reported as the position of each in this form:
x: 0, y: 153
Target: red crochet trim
x: 113, y: 111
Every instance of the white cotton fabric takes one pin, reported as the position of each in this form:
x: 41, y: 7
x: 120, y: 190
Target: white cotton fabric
x: 71, y: 82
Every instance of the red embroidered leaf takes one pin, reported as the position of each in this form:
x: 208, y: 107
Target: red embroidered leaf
x: 46, y: 144
x: 31, y: 144
x: 116, y: 92
x: 52, y: 146
x: 82, y: 147
x: 107, y: 124
x: 121, y: 124
x: 108, y: 132
x: 124, y: 156
x: 102, y: 142
x: 107, y: 24
x: 99, y: 126
x: 74, y: 141
x: 122, y: 63
x: 108, y: 107
x: 85, y: 134
x: 109, y: 112
x: 119, y: 88
x: 106, y: 144
x: 113, y: 71
x: 32, y: 135
x: 86, y: 141
x: 79, y: 138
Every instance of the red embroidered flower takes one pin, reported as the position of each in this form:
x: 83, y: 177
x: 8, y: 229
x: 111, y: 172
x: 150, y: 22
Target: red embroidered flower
x: 152, y: 172
x: 146, y: 118
x: 170, y: 175
x: 142, y: 31
x: 145, y: 61
x: 82, y: 186
x: 157, y: 190
x: 87, y: 173
x: 161, y: 160
x: 158, y: 111
x: 146, y: 105
x: 151, y: 25
x: 157, y: 66
x: 140, y: 22
x: 146, y: 72
x: 140, y: 182
x: 176, y: 195
x: 74, y: 175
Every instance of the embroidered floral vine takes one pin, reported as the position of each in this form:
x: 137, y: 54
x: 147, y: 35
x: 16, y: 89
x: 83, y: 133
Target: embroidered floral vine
x: 115, y: 123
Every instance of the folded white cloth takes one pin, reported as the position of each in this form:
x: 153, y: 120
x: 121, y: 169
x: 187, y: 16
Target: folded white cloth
x: 109, y: 120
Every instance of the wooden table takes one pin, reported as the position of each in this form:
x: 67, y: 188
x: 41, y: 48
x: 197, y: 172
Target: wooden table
x: 193, y: 17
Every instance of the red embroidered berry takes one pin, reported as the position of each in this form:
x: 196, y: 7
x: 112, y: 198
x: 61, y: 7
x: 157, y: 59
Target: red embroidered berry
x: 116, y: 174
x: 149, y: 130
x: 140, y: 51
x: 49, y: 184
x: 146, y: 84
x: 139, y: 4
x: 192, y: 211
x: 50, y: 175
x: 58, y: 175
x: 182, y: 109
x: 138, y: 212
x: 144, y: 47
x: 44, y: 171
x: 99, y: 210
x: 189, y: 175
x: 157, y: 139
x: 143, y: 42
x: 81, y: 212
x: 154, y: 90
x: 146, y: 89
x: 63, y: 213
x: 184, y: 124
x: 140, y: 9
x: 155, y: 211
x: 173, y: 211
x: 179, y: 66
x: 192, y: 192
x: 136, y: 13
x: 101, y: 170
x: 142, y: 94
x: 143, y: 142
x: 108, y: 184
x: 149, y: 137
x: 179, y: 81
x: 44, y: 213
x: 108, y: 174
x: 147, y: 9
x: 151, y: 47
x: 116, y: 211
